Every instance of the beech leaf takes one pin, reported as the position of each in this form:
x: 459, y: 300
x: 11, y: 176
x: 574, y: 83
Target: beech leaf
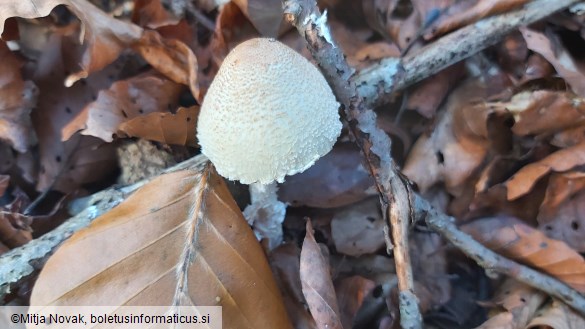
x: 179, y: 240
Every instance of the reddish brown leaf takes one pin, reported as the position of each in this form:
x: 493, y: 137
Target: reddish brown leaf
x: 168, y: 128
x: 285, y: 263
x: 563, y: 218
x: 557, y: 315
x: 351, y: 293
x: 182, y: 227
x: 518, y: 241
x: 14, y: 229
x: 458, y: 144
x: 560, y: 161
x: 17, y: 98
x: 481, y: 9
x: 516, y: 304
x: 170, y: 57
x: 151, y: 14
x: 545, y: 112
x: 550, y: 47
x: 124, y: 101
x: 317, y: 285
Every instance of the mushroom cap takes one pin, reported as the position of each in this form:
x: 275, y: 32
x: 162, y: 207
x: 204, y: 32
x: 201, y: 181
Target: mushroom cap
x: 268, y: 113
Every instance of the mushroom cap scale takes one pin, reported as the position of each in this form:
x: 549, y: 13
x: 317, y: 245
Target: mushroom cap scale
x: 268, y: 113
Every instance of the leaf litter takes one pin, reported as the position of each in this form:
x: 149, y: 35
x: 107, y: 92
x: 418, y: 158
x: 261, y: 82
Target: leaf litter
x: 495, y: 141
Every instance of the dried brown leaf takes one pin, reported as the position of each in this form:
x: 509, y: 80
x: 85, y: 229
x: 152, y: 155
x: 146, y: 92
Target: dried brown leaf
x: 65, y: 166
x: 14, y: 229
x: 106, y: 37
x: 124, y: 101
x: 459, y: 143
x: 565, y: 221
x: 170, y: 57
x: 481, y: 9
x: 285, y: 263
x: 557, y: 315
x: 17, y: 98
x: 317, y: 285
x: 517, y: 304
x: 518, y: 241
x: 351, y: 293
x: 152, y: 14
x: 560, y: 161
x: 181, y: 227
x: 545, y: 112
x: 166, y: 127
x: 549, y: 46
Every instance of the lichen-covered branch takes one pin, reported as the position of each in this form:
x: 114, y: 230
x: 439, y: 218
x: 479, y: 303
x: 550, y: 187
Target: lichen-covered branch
x: 489, y: 260
x: 395, y: 192
x: 19, y: 263
x: 377, y: 82
x: 392, y: 75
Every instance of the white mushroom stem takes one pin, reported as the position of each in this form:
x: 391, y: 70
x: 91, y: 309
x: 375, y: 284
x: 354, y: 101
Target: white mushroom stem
x: 266, y: 213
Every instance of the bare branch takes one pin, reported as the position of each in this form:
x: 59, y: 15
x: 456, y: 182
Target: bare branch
x: 395, y: 193
x: 377, y: 82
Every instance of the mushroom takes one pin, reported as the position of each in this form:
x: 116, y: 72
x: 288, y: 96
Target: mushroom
x: 268, y: 113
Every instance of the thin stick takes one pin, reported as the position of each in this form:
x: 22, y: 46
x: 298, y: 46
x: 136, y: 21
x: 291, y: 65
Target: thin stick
x: 394, y: 191
x: 445, y: 225
x: 377, y: 82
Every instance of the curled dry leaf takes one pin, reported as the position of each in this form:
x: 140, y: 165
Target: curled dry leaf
x: 14, y: 229
x: 317, y: 285
x: 168, y: 128
x: 550, y: 47
x: 518, y: 241
x: 458, y: 145
x: 557, y: 315
x: 545, y: 112
x: 285, y: 263
x: 182, y: 227
x: 566, y: 222
x: 152, y: 14
x: 481, y: 9
x: 122, y: 102
x: 106, y: 38
x: 337, y: 179
x: 17, y: 98
x: 560, y: 161
x: 517, y: 303
x: 64, y: 166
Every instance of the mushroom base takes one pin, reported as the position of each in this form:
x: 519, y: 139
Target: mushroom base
x: 266, y: 213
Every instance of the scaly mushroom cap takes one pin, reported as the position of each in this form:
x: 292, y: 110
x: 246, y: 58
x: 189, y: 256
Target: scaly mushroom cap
x: 268, y: 113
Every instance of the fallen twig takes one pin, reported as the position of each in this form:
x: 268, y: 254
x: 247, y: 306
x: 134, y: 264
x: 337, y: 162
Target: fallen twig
x: 17, y: 264
x: 377, y: 82
x: 390, y: 76
x: 489, y: 260
x: 394, y: 190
